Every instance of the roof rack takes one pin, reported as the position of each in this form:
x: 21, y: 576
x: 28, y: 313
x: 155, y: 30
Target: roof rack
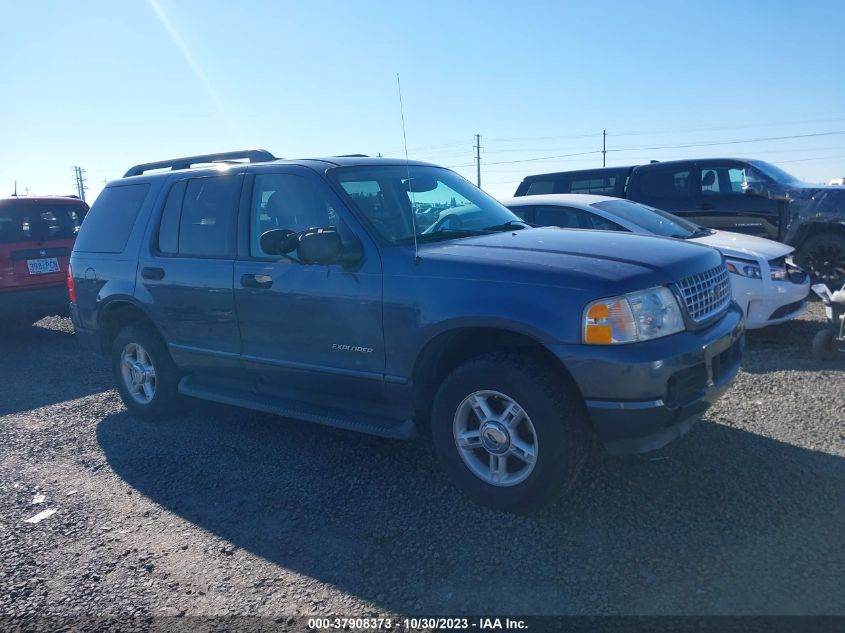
x: 252, y: 155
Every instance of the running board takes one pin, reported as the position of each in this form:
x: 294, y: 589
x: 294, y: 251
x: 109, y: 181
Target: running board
x: 327, y: 416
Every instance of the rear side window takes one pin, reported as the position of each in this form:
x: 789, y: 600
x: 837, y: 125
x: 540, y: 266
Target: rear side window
x: 665, y: 183
x: 109, y: 222
x: 564, y: 217
x: 41, y: 222
x: 605, y: 181
x: 597, y: 185
x: 539, y: 187
x: 198, y: 219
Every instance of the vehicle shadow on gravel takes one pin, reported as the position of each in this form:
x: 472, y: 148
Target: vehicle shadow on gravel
x: 786, y: 347
x: 42, y: 364
x: 725, y: 521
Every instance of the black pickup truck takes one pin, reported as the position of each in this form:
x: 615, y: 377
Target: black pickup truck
x: 746, y: 196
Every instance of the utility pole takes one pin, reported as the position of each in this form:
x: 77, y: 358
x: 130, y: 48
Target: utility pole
x: 604, y: 148
x: 79, y: 178
x: 478, y: 158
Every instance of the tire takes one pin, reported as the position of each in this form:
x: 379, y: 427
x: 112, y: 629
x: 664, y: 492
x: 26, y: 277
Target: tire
x: 823, y: 257
x: 825, y: 345
x: 143, y: 350
x: 552, y: 424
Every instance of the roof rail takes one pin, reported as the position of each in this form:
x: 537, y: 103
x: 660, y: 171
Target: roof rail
x: 252, y: 155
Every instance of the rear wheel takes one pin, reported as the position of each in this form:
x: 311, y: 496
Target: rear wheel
x: 510, y: 433
x: 823, y: 256
x: 146, y: 376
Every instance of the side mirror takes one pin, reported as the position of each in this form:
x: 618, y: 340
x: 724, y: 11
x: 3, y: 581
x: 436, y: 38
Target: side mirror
x: 752, y: 189
x: 279, y: 242
x: 324, y: 246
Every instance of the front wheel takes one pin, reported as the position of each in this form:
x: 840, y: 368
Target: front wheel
x: 146, y: 376
x: 510, y: 432
x: 825, y: 345
x: 823, y: 256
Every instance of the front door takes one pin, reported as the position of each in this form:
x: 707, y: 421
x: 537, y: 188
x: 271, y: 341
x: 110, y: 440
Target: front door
x: 721, y: 202
x: 307, y: 330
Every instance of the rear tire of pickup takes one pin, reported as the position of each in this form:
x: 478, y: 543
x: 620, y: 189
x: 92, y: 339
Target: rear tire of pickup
x: 146, y: 377
x: 823, y: 257
x: 510, y: 432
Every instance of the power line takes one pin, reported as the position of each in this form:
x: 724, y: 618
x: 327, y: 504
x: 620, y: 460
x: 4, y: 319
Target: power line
x: 730, y: 142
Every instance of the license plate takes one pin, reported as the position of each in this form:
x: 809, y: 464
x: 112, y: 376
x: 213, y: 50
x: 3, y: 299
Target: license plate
x: 828, y: 310
x: 43, y: 266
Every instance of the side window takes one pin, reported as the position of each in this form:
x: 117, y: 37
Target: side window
x: 287, y: 201
x: 665, y: 183
x: 564, y: 217
x: 736, y: 176
x: 721, y: 180
x: 109, y: 223
x: 598, y: 223
x: 523, y: 212
x: 168, y: 230
x: 709, y: 182
x: 207, y: 223
x: 596, y: 185
x: 539, y: 187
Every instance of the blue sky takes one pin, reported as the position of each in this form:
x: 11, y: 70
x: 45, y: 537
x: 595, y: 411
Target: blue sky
x: 108, y: 84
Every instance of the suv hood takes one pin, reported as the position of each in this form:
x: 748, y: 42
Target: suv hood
x: 607, y: 262
x: 744, y: 246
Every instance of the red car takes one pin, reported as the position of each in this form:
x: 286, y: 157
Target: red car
x: 36, y: 238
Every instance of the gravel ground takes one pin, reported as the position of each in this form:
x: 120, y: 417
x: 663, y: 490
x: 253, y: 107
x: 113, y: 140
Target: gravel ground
x: 225, y: 511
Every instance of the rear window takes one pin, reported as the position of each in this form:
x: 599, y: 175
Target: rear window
x: 39, y: 222
x: 109, y: 222
x: 652, y: 220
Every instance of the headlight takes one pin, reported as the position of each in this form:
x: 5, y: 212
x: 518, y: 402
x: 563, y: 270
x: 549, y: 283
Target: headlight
x: 744, y: 268
x: 637, y: 316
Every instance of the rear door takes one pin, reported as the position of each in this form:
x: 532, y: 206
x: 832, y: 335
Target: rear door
x: 672, y: 187
x: 722, y: 204
x: 36, y: 239
x: 185, y: 271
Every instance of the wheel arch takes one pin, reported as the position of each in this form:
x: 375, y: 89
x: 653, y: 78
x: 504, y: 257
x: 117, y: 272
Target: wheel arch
x: 115, y: 315
x: 450, y: 348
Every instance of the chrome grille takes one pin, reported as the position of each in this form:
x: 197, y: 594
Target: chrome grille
x: 706, y: 294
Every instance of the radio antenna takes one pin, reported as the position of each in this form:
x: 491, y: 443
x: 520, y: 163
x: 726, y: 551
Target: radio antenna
x: 408, y: 167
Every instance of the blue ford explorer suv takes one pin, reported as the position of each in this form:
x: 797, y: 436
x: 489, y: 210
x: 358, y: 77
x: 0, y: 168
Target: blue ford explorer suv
x: 384, y: 296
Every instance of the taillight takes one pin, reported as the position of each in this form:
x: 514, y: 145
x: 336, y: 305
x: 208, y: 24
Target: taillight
x: 71, y: 289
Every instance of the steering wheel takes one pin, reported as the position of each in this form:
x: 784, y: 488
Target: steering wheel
x: 453, y: 220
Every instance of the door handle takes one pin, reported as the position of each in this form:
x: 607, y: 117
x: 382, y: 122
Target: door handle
x: 153, y: 273
x: 705, y: 206
x: 256, y: 281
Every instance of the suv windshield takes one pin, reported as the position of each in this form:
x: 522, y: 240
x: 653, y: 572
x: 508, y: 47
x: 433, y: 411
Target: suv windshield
x: 397, y: 199
x: 648, y: 218
x: 40, y: 222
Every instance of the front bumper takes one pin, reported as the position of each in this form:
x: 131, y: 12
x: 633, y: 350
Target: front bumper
x: 34, y: 303
x: 641, y: 396
x: 768, y: 302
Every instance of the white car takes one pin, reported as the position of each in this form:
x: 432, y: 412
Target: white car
x: 769, y: 288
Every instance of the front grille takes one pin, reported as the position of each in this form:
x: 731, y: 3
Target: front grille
x: 706, y: 294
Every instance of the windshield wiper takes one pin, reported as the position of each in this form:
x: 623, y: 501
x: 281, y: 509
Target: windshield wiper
x: 449, y: 234
x: 507, y: 226
x: 701, y: 231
